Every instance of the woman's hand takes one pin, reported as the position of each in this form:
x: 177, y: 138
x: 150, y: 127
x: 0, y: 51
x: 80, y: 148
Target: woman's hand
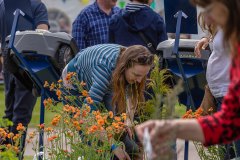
x: 201, y: 45
x: 162, y: 134
x: 121, y: 154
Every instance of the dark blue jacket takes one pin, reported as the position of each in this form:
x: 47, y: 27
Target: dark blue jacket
x: 124, y: 27
x: 35, y: 8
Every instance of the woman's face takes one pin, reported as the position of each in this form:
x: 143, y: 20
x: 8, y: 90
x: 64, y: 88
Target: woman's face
x: 136, y: 73
x: 217, y: 13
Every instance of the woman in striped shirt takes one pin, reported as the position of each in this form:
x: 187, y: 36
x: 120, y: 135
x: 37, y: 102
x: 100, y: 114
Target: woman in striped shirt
x: 114, y: 76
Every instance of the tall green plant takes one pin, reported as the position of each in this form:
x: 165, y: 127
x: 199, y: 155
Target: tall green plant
x: 163, y: 97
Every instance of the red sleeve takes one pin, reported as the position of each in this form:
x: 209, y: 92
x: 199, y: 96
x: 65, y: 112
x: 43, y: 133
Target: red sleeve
x: 224, y: 126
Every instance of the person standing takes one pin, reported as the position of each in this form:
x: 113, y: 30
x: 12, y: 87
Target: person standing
x: 223, y: 126
x: 137, y: 18
x: 91, y: 25
x: 19, y: 101
x: 217, y: 73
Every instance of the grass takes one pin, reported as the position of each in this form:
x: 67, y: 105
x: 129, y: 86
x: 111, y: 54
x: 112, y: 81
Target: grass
x: 36, y: 112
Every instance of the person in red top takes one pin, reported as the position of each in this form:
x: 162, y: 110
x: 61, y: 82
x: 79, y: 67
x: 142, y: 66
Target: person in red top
x: 223, y: 126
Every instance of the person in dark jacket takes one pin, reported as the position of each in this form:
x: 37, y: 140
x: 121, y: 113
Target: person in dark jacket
x: 137, y: 17
x: 19, y: 101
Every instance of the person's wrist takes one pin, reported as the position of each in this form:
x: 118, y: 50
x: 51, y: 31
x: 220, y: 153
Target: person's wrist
x: 176, y: 126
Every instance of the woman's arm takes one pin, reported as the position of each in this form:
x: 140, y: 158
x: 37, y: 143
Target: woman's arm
x: 164, y: 130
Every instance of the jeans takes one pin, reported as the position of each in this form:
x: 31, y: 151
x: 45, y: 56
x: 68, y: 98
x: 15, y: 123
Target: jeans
x: 19, y: 103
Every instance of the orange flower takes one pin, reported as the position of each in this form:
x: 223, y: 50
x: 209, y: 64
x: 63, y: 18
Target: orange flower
x: 100, y: 122
x: 10, y: 135
x: 49, y: 129
x: 20, y: 127
x: 41, y: 126
x: 58, y: 93
x: 85, y: 93
x: 52, y: 138
x: 15, y: 149
x: 9, y: 146
x: 47, y: 102
x: 89, y: 100
x: 3, y: 133
x: 84, y: 113
x: 60, y: 81
x: 110, y: 114
x: 56, y: 120
x: 81, y: 121
x: 88, y: 108
x: 77, y: 115
x: 52, y: 86
x: 29, y: 140
x: 16, y: 137
x: 75, y: 123
x: 124, y: 116
x: 117, y: 119
x: 32, y: 135
x: 78, y: 128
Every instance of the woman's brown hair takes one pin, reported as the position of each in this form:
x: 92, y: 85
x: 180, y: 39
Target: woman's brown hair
x: 210, y: 28
x: 127, y: 59
x: 232, y: 28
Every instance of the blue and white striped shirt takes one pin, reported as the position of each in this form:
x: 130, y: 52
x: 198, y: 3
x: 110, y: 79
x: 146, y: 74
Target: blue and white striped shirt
x: 91, y: 26
x: 94, y: 66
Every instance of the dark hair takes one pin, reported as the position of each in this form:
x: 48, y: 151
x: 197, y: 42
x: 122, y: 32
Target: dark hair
x: 232, y: 29
x: 142, y: 1
x: 201, y: 3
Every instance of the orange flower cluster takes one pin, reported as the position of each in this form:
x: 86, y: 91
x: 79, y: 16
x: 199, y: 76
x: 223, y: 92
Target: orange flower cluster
x: 190, y: 114
x: 16, y: 137
x: 70, y: 75
x: 30, y: 137
x: 3, y: 133
x: 56, y: 120
x: 94, y: 125
x: 89, y: 100
x: 41, y: 126
x: 52, y: 138
x: 69, y: 109
x: 112, y: 125
x: 47, y: 102
x: 58, y: 93
x: 85, y: 93
x: 20, y: 127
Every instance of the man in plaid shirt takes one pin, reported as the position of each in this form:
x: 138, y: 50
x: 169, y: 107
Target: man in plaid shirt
x: 91, y: 25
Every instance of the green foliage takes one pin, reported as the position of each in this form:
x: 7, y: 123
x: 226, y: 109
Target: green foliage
x: 215, y: 152
x: 8, y: 155
x: 164, y: 99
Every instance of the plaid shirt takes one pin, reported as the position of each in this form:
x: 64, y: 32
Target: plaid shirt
x: 91, y: 26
